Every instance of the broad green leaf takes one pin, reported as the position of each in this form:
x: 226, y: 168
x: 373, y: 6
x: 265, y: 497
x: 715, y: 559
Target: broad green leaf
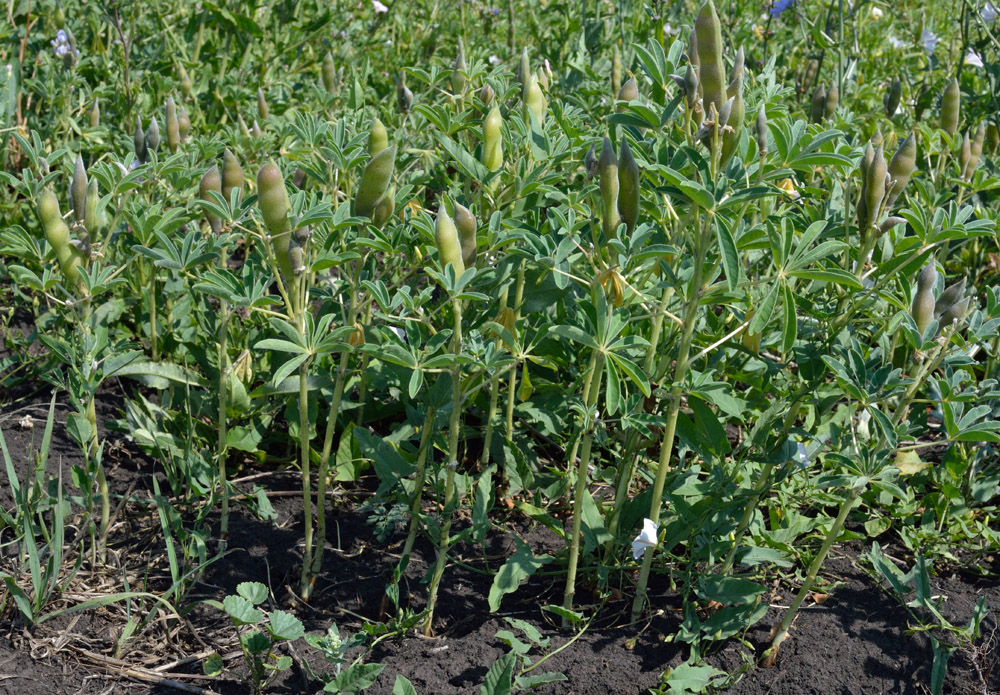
x: 254, y: 592
x: 499, y: 679
x: 285, y: 626
x: 518, y: 567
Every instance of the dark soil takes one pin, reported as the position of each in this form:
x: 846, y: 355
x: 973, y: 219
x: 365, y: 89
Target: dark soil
x: 857, y: 641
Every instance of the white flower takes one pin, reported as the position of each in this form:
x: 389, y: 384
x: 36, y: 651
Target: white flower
x: 973, y: 58
x: 801, y: 455
x: 896, y: 43
x: 494, y: 60
x: 646, y: 539
x: 669, y: 29
x: 379, y: 7
x: 929, y: 40
x: 876, y: 12
x: 989, y: 13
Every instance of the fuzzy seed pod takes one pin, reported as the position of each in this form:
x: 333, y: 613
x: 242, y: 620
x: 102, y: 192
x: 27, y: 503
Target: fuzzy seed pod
x: 465, y: 221
x: 832, y: 101
x: 458, y: 80
x: 877, y: 139
x: 255, y: 130
x: 486, y: 95
x: 173, y: 126
x: 69, y: 257
x: 892, y: 97
x: 446, y: 238
x: 262, y: 110
x: 901, y: 168
x: 691, y: 87
x: 493, y: 140
x: 922, y: 309
x: 534, y: 99
x: 965, y: 155
x: 211, y: 181
x: 951, y: 102
x: 329, y: 74
x: 183, y: 123
x: 543, y: 79
x: 975, y: 152
x: 818, y: 105
x: 628, y: 187
x: 90, y: 209
x: 737, y: 114
x: 629, y: 91
x: 875, y: 186
x: 808, y: 76
x: 232, y: 174
x: 954, y: 313
x: 713, y: 71
x: 185, y: 82
x: 993, y: 137
x: 378, y: 138
x: 404, y: 97
x: 153, y: 136
x: 244, y: 131
x: 949, y: 297
x: 590, y: 163
x: 523, y: 69
x: 888, y: 223
x: 692, y: 56
x: 866, y: 162
x: 616, y: 70
x: 607, y: 167
x: 374, y: 181
x: 139, y: 140
x: 95, y: 114
x: 272, y: 199
x: 760, y: 126
x: 738, y: 67
x: 384, y: 208
x: 296, y: 258
x: 78, y: 190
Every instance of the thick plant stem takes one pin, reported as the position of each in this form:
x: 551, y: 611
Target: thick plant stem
x: 449, y: 491
x: 592, y: 388
x: 490, y: 417
x: 680, y: 373
x: 223, y: 406
x: 154, y: 350
x: 307, y: 511
x: 781, y: 631
x: 512, y: 386
x: 418, y: 483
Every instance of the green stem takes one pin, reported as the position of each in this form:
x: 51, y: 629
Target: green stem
x: 418, y: 483
x: 512, y: 386
x: 680, y: 373
x: 223, y: 406
x: 781, y: 631
x: 152, y: 315
x: 592, y: 390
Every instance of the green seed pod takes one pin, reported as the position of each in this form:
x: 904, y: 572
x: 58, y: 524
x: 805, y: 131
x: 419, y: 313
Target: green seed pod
x: 951, y: 295
x: 590, y: 163
x: 183, y: 123
x: 892, y: 97
x: 458, y: 79
x: 255, y: 130
x: 629, y: 91
x: 954, y: 313
x: 378, y: 138
x: 993, y: 137
x: 607, y: 167
x: 760, y: 126
x: 78, y: 190
x: 262, y: 110
x: 713, y: 70
x: 628, y: 187
x: 153, y: 135
x: 329, y: 74
x: 877, y: 139
x: 272, y: 199
x: 693, y: 58
x: 922, y: 309
x: 691, y: 87
x: 534, y: 99
x: 866, y: 162
x: 173, y: 127
x: 211, y: 181
x: 59, y: 18
x: 139, y: 140
x: 875, y: 186
x: 738, y: 67
x: 374, y: 181
x: 975, y: 151
x: 731, y: 135
x: 901, y: 168
x: 69, y: 257
x: 965, y: 155
x: 832, y: 101
x: 951, y: 102
x: 232, y: 174
x: 486, y: 95
x: 809, y: 75
x: 465, y: 221
x: 185, y: 82
x: 384, y: 208
x: 616, y: 70
x: 523, y: 70
x: 888, y: 223
x: 244, y: 131
x: 543, y: 79
x: 95, y: 114
x: 90, y: 220
x: 446, y: 237
x: 818, y: 105
x: 404, y: 97
x: 493, y: 140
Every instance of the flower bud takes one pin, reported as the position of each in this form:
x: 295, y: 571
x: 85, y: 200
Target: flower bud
x: 78, y: 190
x: 329, y: 74
x: 832, y: 101
x: 232, y: 174
x: 262, y: 110
x: 90, y: 209
x: 486, y: 95
x: 607, y: 167
x: 949, y: 297
x: 183, y: 123
x: 153, y: 136
x: 712, y: 73
x: 951, y: 102
x: 139, y: 140
x: 760, y: 126
x: 922, y: 309
x: 374, y: 181
x: 590, y: 162
x: 378, y: 138
x: 892, y: 97
x: 534, y: 100
x: 616, y: 70
x: 95, y: 114
x: 211, y: 181
x: 818, y: 105
x: 384, y: 208
x: 458, y: 80
x: 446, y: 238
x: 628, y: 187
x: 901, y: 168
x: 493, y: 140
x: 465, y: 221
x: 173, y: 127
x: 272, y: 199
